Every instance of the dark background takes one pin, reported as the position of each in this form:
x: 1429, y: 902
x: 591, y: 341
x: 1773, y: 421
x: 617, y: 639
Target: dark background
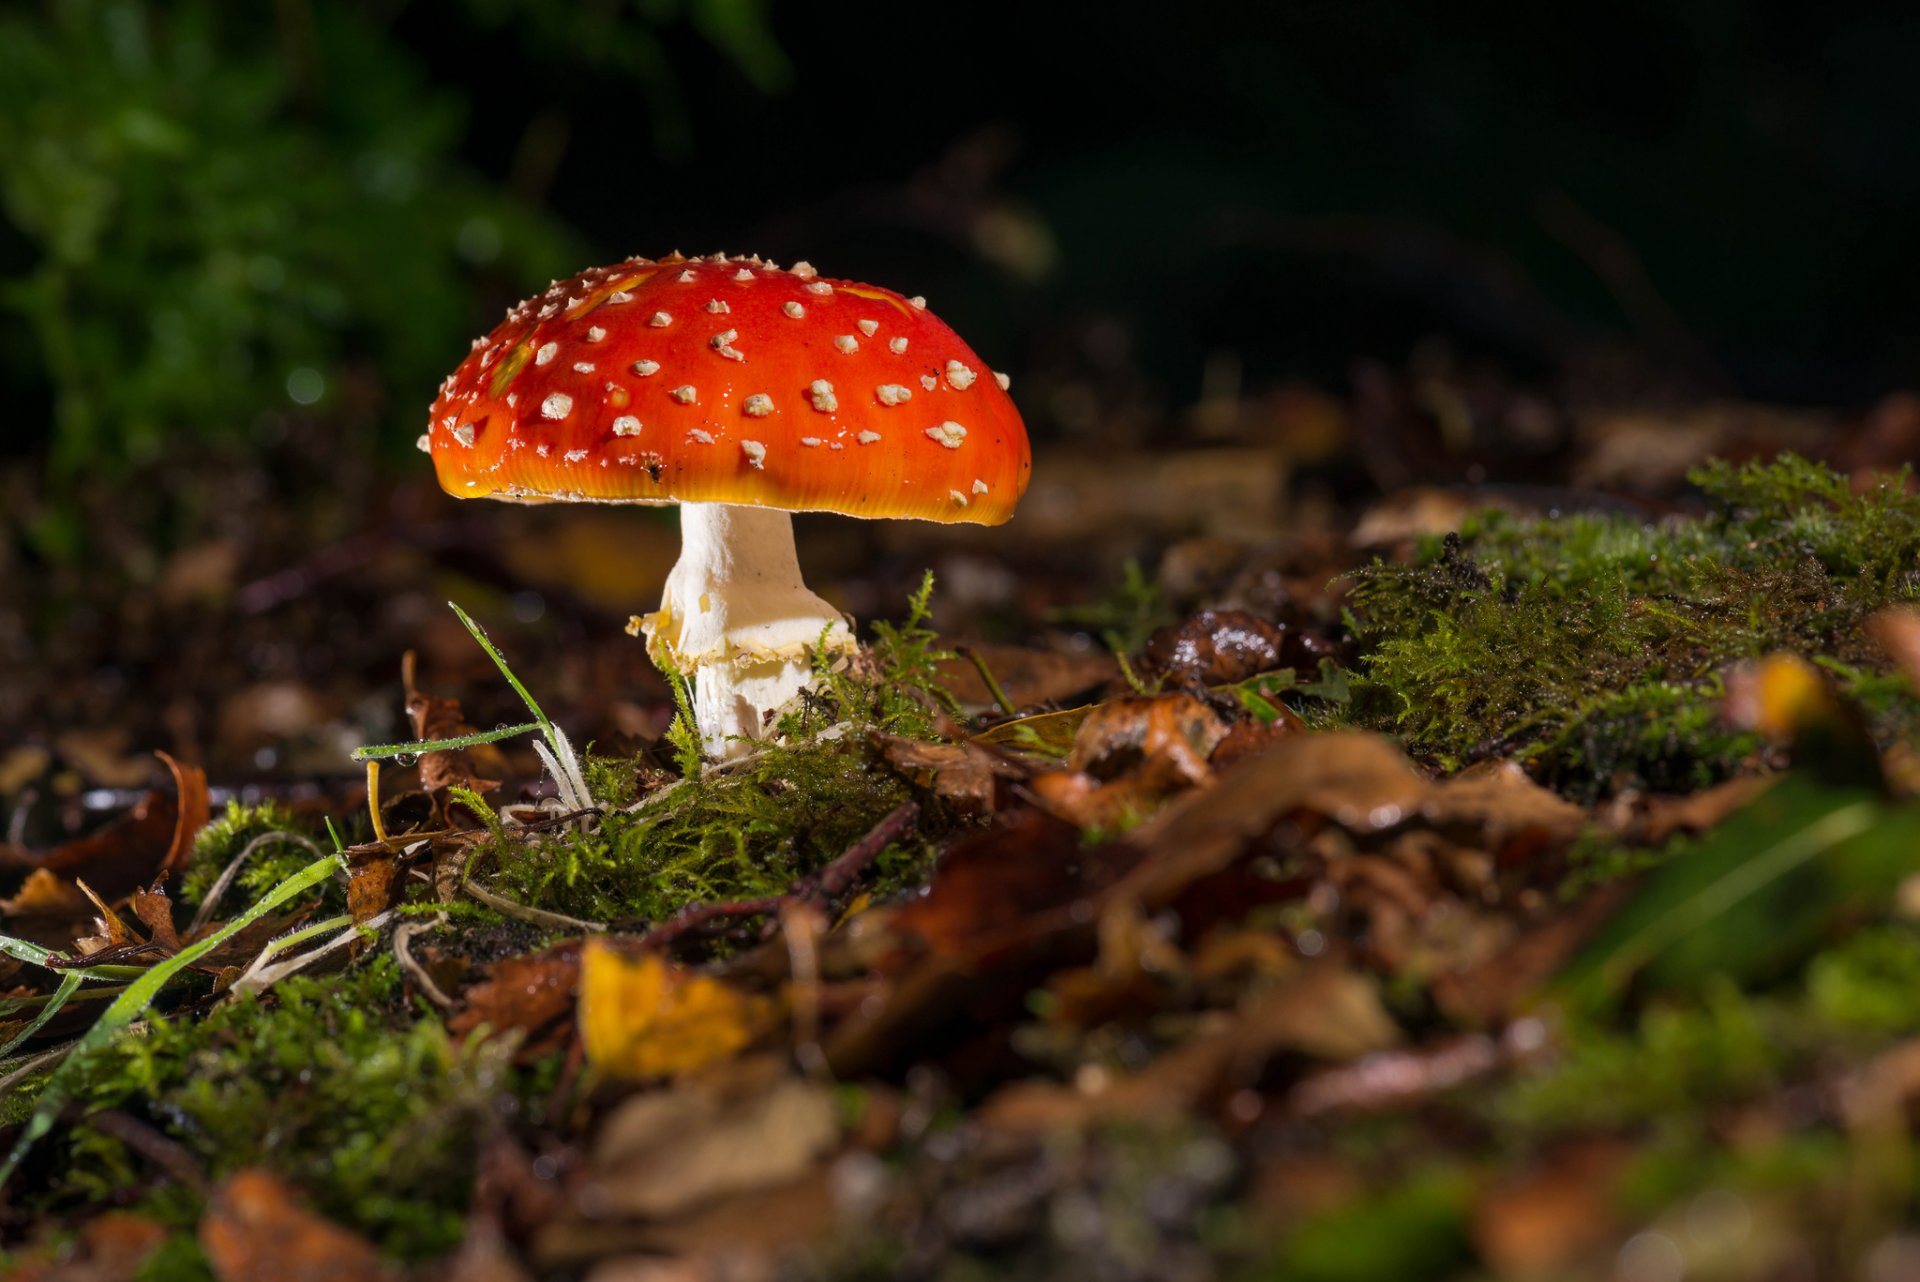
x: 1725, y: 191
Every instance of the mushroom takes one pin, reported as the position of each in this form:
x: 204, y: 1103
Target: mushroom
x: 744, y: 393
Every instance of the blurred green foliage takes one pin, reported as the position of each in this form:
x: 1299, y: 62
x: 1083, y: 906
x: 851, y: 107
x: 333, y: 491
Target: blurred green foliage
x: 236, y: 211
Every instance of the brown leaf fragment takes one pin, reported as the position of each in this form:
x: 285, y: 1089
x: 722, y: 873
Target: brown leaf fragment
x: 193, y: 810
x: 1897, y: 632
x: 1542, y: 1223
x: 1498, y: 805
x: 370, y: 887
x: 963, y: 774
x: 1167, y: 739
x: 436, y: 718
x: 1249, y: 738
x: 47, y: 897
x: 110, y: 1248
x: 534, y: 994
x: 1359, y: 781
x: 109, y: 930
x: 126, y: 853
x: 1326, y: 1012
x: 1128, y: 756
x: 1698, y: 811
x: 660, y: 1154
x: 255, y: 1230
x: 155, y: 912
x: 1215, y: 647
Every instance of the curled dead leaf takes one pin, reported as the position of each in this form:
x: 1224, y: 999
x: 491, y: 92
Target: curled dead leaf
x: 255, y: 1228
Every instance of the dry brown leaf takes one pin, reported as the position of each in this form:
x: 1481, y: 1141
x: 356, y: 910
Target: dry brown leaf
x: 1359, y: 781
x: 255, y: 1230
x: 1166, y: 738
x: 370, y: 886
x: 960, y: 773
x: 110, y: 1248
x: 534, y: 994
x: 155, y: 912
x: 1325, y: 1012
x: 193, y: 809
x: 435, y: 718
x: 109, y: 930
x: 1500, y: 808
x: 659, y: 1154
x: 643, y: 1017
x: 127, y: 853
x: 1548, y: 1220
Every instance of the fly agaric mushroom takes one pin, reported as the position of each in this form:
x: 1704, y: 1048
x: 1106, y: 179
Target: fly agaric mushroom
x: 742, y: 392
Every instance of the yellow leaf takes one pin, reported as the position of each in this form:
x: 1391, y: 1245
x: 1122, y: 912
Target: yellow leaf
x: 641, y: 1017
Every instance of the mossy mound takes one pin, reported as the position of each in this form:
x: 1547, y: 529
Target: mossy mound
x: 335, y: 1082
x: 1593, y: 646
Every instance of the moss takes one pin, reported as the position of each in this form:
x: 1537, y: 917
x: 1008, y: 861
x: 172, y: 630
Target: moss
x: 1658, y: 1072
x: 1415, y: 1228
x: 748, y: 831
x: 753, y: 828
x: 1592, y: 645
x: 221, y: 841
x: 1727, y: 1047
x: 331, y: 1081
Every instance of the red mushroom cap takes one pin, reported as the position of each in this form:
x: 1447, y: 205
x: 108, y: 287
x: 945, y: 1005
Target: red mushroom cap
x: 729, y: 380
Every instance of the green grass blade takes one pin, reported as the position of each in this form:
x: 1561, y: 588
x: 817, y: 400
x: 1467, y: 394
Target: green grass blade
x: 499, y: 661
x: 140, y: 993
x: 381, y: 752
x: 68, y: 984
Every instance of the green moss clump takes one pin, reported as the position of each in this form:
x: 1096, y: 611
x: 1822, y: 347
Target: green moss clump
x: 1591, y: 646
x: 221, y: 841
x: 330, y: 1081
x: 754, y: 828
x: 1418, y: 1227
x: 746, y: 832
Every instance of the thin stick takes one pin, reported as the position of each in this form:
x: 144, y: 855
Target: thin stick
x: 826, y: 884
x: 695, y: 916
x: 979, y: 663
x: 403, y: 952
x: 537, y: 916
x: 204, y: 914
x: 834, y: 879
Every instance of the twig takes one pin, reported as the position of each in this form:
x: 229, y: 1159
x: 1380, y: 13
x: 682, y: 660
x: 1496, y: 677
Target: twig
x: 537, y: 916
x: 169, y: 1155
x: 51, y: 1055
x: 823, y: 886
x: 694, y: 916
x: 204, y: 915
x: 833, y: 880
x: 403, y: 953
x: 979, y: 662
x: 259, y: 977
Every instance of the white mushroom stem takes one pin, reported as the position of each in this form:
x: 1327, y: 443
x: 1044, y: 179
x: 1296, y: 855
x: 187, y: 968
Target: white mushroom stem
x: 737, y: 618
